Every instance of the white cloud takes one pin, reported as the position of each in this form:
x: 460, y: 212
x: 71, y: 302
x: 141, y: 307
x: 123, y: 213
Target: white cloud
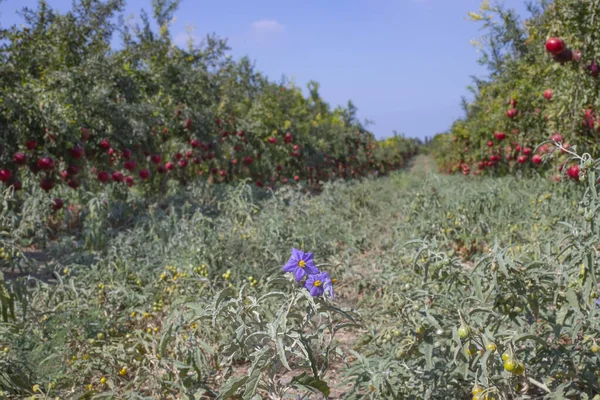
x: 267, y: 26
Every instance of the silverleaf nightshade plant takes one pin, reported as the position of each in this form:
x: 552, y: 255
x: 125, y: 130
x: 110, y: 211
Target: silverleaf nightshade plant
x: 301, y: 264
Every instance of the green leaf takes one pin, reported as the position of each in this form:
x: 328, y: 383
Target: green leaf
x: 311, y: 383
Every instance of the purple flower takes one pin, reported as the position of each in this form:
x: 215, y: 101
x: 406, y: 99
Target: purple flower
x: 316, y: 283
x: 300, y: 264
x: 328, y: 285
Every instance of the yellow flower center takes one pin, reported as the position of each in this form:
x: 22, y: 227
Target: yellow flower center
x: 317, y: 283
x: 302, y: 263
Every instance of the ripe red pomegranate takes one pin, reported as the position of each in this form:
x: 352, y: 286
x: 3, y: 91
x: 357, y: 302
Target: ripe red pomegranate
x: 183, y: 163
x: 117, y: 176
x: 537, y: 159
x: 156, y: 158
x: 272, y: 140
x: 296, y: 147
x: 189, y: 154
x: 490, y: 144
x: 222, y: 172
x: 573, y: 172
x: 248, y: 160
x: 241, y: 133
x: 555, y: 45
x: 127, y: 153
x: 594, y: 69
x: 46, y: 163
x: 195, y: 143
x: 234, y: 161
x: 287, y: 138
x: 20, y: 158
x: 5, y: 175
x: 557, y: 137
x: 518, y: 148
x: 103, y: 176
x: 564, y: 57
x: 31, y: 144
x: 224, y: 134
x: 548, y: 94
x: 170, y: 166
x: 57, y: 204
x: 129, y: 165
x: 161, y: 169
x: 47, y: 184
x: 76, y: 152
x: 522, y: 159
x: 178, y: 156
x: 105, y: 144
x: 17, y: 185
x: 500, y: 135
x: 296, y: 178
x: 527, y: 151
x: 512, y: 112
x: 85, y: 134
x: 512, y: 103
x: 588, y: 119
x: 129, y: 181
x: 144, y: 174
x: 73, y: 184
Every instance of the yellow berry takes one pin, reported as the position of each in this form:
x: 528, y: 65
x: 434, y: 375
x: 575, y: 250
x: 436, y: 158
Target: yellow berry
x: 123, y: 371
x: 103, y: 380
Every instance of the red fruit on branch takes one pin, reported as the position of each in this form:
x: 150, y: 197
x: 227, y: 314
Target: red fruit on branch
x: 156, y: 158
x: 527, y: 151
x: 129, y: 165
x: 537, y: 159
x: 103, y: 176
x: 46, y: 163
x: 548, y: 94
x: 557, y: 137
x: 57, y: 204
x: 129, y: 181
x: 47, y: 184
x: 555, y: 45
x: 85, y: 134
x: 31, y: 144
x: 170, y: 166
x: 522, y: 159
x: 593, y: 69
x: 76, y: 152
x: 144, y: 174
x: 105, y: 144
x: 117, y: 176
x: 564, y: 57
x: 272, y: 140
x: 127, y: 153
x: 20, y: 158
x: 5, y: 175
x: 195, y: 143
x: 500, y: 135
x: 73, y: 184
x: 573, y: 172
x: 512, y: 112
x: 490, y: 143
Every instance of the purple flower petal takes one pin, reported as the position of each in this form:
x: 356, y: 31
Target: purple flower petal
x: 290, y: 266
x: 297, y: 254
x: 316, y: 291
x: 299, y: 274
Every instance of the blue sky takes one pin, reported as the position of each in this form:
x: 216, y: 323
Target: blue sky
x: 404, y: 63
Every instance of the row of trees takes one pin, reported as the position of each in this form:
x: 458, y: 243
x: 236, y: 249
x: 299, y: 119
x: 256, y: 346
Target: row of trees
x: 76, y: 112
x: 542, y: 86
